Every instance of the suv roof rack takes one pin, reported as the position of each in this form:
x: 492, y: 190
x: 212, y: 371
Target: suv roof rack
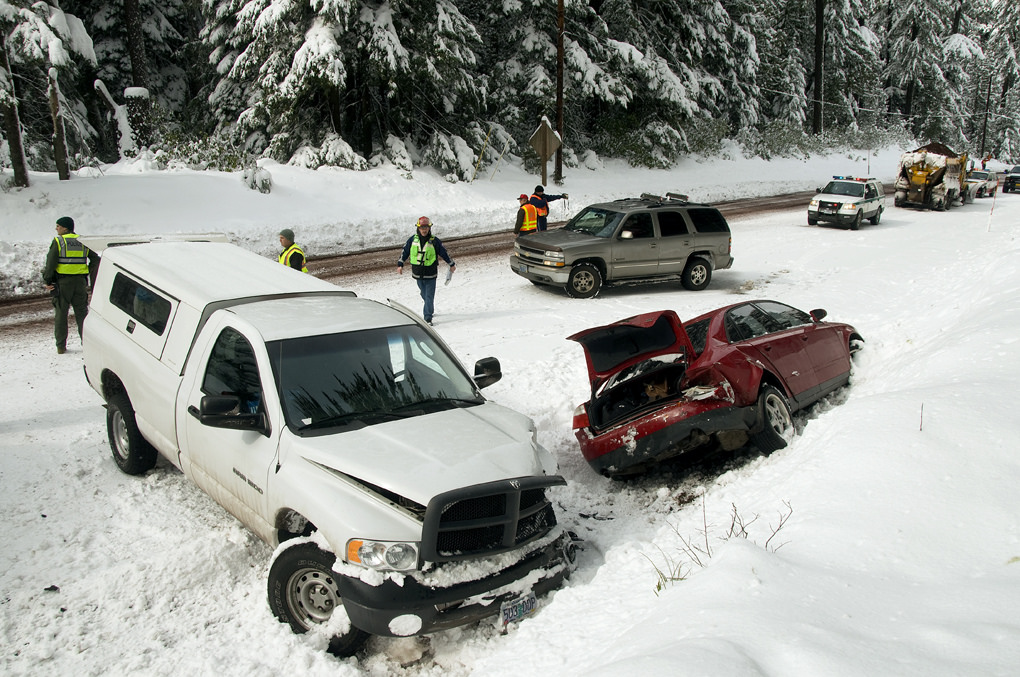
x: 670, y: 197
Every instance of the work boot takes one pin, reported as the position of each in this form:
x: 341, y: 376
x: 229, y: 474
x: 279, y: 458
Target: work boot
x: 61, y: 350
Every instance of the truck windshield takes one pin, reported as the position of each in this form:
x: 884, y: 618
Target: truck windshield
x: 595, y: 221
x: 362, y: 378
x: 852, y: 189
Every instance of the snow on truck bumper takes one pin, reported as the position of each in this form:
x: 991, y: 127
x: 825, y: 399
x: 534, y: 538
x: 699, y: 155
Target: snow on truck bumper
x: 411, y: 607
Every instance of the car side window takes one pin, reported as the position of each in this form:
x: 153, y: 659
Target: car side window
x: 784, y: 316
x: 672, y: 224
x: 639, y: 225
x: 748, y: 322
x: 870, y: 192
x: 141, y: 303
x: 708, y: 220
x: 233, y: 370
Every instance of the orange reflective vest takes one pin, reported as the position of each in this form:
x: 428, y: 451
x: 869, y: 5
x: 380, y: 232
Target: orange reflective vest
x: 543, y: 210
x: 530, y: 217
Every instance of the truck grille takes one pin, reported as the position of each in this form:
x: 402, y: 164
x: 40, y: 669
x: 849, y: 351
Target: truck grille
x: 487, y: 519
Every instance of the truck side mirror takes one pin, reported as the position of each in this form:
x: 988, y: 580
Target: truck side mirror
x: 222, y: 411
x: 487, y: 372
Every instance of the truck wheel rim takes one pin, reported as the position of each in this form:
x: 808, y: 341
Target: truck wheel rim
x: 120, y: 436
x: 584, y: 281
x: 698, y: 274
x: 312, y: 595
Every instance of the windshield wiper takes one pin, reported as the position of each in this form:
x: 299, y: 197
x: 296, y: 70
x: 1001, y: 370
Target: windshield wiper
x: 452, y: 401
x: 362, y: 416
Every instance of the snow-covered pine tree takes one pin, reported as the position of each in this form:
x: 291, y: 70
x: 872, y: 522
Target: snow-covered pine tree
x: 37, y: 36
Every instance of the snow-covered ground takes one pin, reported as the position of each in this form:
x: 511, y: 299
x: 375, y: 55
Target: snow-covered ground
x: 899, y: 546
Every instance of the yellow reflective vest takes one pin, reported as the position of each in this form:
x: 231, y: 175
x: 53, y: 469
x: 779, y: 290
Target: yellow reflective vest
x: 285, y: 257
x: 72, y: 255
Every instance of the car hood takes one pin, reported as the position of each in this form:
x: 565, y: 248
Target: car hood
x: 616, y: 347
x: 556, y: 239
x: 834, y: 197
x: 426, y: 455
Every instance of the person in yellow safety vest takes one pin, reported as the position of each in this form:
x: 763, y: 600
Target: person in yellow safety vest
x: 527, y: 216
x: 292, y: 254
x: 424, y: 251
x: 69, y: 267
x: 541, y: 200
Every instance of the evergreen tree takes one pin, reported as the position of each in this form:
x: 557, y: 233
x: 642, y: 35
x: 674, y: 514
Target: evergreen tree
x: 38, y: 36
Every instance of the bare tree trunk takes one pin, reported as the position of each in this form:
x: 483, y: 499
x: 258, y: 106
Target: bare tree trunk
x: 136, y: 44
x: 816, y: 118
x: 59, y: 140
x: 12, y: 125
x: 558, y: 171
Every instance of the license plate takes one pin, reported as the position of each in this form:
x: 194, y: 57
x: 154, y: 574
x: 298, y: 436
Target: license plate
x: 828, y: 210
x: 522, y: 268
x: 515, y: 609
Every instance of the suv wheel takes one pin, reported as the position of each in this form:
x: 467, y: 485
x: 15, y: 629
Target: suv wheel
x: 856, y: 223
x: 877, y: 217
x: 697, y: 274
x: 585, y: 281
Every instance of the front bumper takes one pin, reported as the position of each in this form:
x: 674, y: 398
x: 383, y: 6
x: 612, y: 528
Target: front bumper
x: 539, y: 273
x: 631, y: 447
x: 840, y: 217
x: 374, y: 608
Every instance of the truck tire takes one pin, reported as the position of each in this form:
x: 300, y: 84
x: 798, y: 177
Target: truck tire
x: 877, y: 217
x: 776, y: 421
x: 697, y: 274
x: 131, y: 452
x: 584, y: 282
x: 303, y: 593
x: 856, y: 223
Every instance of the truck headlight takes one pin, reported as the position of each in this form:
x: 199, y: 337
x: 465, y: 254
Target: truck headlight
x: 383, y: 555
x: 552, y: 259
x: 813, y: 203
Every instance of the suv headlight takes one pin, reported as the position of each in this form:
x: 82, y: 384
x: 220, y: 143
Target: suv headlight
x: 552, y: 259
x: 383, y: 555
x: 849, y: 206
x: 813, y: 203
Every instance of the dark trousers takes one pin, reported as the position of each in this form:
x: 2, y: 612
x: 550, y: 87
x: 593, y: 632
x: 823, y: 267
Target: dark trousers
x: 72, y: 293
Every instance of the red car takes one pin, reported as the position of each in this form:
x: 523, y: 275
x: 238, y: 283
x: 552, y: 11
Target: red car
x: 661, y: 388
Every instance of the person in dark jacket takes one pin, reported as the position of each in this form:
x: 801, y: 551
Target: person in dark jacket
x: 541, y: 200
x: 292, y: 255
x: 69, y: 267
x: 424, y: 251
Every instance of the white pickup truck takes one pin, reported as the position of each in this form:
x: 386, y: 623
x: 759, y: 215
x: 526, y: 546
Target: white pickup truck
x: 340, y: 430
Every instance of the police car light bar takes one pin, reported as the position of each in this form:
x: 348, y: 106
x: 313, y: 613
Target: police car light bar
x: 854, y: 178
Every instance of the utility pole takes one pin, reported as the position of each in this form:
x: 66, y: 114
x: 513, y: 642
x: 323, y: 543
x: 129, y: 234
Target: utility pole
x: 558, y: 171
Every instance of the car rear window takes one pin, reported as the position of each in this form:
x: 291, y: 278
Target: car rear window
x: 708, y: 220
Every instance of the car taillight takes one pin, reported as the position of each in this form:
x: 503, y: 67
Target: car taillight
x: 580, y: 417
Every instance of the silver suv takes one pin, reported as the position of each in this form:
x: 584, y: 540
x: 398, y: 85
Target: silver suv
x: 650, y: 238
x: 847, y: 201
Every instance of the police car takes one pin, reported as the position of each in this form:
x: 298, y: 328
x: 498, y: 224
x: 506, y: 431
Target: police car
x: 847, y: 201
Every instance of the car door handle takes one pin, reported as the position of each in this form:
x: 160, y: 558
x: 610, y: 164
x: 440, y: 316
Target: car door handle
x: 804, y: 339
x: 193, y: 410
